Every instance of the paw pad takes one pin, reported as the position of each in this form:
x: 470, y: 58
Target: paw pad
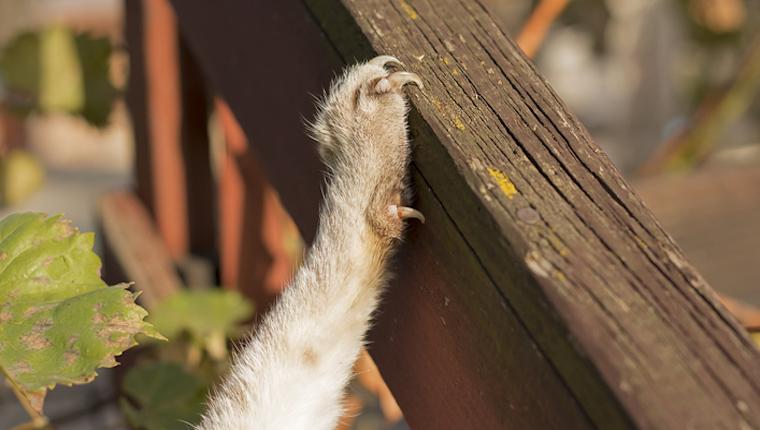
x: 383, y: 86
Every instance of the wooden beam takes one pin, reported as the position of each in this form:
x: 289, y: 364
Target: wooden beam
x: 200, y: 186
x: 154, y: 98
x: 542, y: 293
x: 136, y: 98
x: 168, y: 105
x: 139, y: 252
x: 245, y: 260
x: 286, y: 62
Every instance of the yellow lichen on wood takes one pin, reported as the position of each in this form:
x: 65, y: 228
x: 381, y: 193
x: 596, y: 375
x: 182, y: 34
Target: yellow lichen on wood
x: 454, y: 119
x: 504, y: 183
x: 641, y: 242
x: 558, y: 246
x: 458, y: 122
x: 408, y: 9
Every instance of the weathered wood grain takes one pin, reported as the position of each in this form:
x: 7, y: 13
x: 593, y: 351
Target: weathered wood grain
x: 542, y: 293
x: 450, y: 348
x: 499, y: 144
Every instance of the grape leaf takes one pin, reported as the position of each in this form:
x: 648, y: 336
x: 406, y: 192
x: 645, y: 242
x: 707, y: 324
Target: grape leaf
x: 58, y: 320
x: 56, y: 70
x: 61, y: 76
x: 20, y: 72
x: 208, y: 316
x: 99, y: 92
x: 167, y: 397
x: 21, y: 174
x: 201, y: 312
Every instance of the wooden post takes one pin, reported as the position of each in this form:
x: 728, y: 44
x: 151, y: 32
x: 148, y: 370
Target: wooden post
x: 287, y: 62
x: 155, y: 103
x: 200, y: 186
x: 161, y: 47
x: 134, y: 250
x: 244, y: 258
x: 253, y: 224
x: 167, y: 101
x: 541, y: 293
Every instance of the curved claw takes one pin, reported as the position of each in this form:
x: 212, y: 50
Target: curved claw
x: 384, y: 60
x: 404, y: 212
x: 399, y: 79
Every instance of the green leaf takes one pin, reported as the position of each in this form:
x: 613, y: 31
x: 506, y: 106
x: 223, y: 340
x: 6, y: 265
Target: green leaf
x: 54, y: 70
x: 167, y: 397
x: 99, y: 92
x: 20, y: 71
x: 208, y: 316
x: 21, y: 174
x: 201, y: 313
x: 61, y: 83
x: 58, y: 320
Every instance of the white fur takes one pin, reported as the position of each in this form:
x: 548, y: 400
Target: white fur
x: 293, y: 373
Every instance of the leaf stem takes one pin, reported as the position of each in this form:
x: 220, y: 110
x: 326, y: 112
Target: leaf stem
x: 39, y: 421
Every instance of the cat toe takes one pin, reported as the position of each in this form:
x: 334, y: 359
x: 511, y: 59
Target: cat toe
x: 395, y: 81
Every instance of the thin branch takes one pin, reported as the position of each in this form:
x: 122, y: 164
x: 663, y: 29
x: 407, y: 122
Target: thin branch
x: 534, y: 31
x: 716, y: 112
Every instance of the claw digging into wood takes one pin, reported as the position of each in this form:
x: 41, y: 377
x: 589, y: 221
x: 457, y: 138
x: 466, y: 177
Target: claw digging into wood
x: 395, y: 81
x: 399, y: 79
x: 404, y: 212
x: 384, y: 60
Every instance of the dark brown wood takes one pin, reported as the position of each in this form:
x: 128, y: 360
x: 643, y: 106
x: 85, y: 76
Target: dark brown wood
x: 542, y: 293
x: 498, y: 148
x: 136, y: 98
x: 160, y: 168
x: 167, y: 102
x: 200, y: 183
x: 286, y: 62
x: 140, y: 254
x: 450, y: 347
x: 245, y: 260
x: 253, y: 224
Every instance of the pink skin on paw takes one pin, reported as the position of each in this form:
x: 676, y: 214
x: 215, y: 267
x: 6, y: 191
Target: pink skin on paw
x: 383, y: 86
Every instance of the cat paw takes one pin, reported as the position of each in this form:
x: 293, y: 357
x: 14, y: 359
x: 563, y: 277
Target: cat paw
x: 366, y: 101
x: 395, y: 81
x: 362, y: 134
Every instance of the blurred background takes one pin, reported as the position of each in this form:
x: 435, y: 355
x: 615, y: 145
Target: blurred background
x: 666, y: 87
x: 65, y: 135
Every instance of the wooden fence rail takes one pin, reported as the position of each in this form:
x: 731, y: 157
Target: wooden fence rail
x: 541, y: 294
